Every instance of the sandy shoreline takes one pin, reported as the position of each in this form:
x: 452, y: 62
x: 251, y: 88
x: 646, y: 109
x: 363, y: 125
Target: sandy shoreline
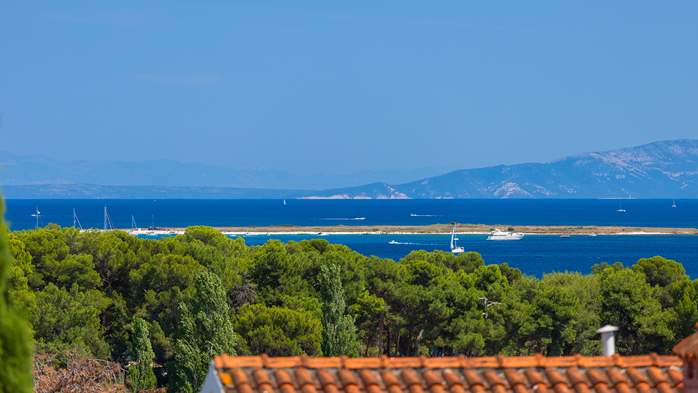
x: 436, y: 229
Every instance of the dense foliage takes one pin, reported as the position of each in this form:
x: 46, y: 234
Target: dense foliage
x: 15, y: 334
x: 140, y: 369
x: 202, y: 293
x: 338, y: 329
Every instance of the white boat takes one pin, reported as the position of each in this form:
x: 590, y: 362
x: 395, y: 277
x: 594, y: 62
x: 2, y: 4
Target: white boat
x: 455, y: 249
x: 673, y: 204
x: 393, y: 242
x: 141, y: 232
x: 504, y: 235
x: 284, y: 202
x: 37, y: 216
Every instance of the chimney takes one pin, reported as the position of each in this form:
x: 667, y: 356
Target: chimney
x: 687, y: 350
x: 608, y: 339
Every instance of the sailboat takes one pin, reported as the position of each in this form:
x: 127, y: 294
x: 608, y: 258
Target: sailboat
x: 76, y: 220
x: 37, y: 215
x: 455, y: 249
x: 107, y: 220
x: 135, y: 230
x: 284, y: 202
x: 620, y: 208
x: 673, y: 204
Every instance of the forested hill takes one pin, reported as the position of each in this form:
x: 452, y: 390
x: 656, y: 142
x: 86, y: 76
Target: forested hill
x: 192, y: 296
x: 667, y: 169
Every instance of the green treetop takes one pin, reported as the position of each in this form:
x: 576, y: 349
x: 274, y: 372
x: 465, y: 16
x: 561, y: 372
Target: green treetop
x: 140, y: 371
x: 339, y: 333
x: 206, y: 330
x: 15, y: 333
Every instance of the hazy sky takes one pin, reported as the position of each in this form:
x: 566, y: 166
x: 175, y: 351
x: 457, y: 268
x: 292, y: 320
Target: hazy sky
x: 344, y: 86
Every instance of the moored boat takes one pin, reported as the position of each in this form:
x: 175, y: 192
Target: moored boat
x: 455, y: 249
x: 504, y: 235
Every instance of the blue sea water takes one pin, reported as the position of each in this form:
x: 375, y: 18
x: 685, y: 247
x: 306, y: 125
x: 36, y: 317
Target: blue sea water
x: 181, y: 213
x: 534, y: 254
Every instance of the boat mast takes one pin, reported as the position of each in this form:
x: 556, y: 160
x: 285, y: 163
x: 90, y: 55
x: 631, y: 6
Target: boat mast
x: 133, y: 222
x: 107, y: 220
x: 36, y: 215
x: 76, y: 220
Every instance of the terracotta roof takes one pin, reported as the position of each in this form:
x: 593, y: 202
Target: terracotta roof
x: 574, y: 374
x: 688, y: 347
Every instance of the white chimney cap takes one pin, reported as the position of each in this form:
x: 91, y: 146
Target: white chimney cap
x: 607, y: 329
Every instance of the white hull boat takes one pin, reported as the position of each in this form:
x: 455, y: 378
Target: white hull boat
x: 498, y: 235
x: 455, y: 249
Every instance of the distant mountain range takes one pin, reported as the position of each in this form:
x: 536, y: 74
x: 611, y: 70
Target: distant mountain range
x: 665, y: 169
x: 21, y: 170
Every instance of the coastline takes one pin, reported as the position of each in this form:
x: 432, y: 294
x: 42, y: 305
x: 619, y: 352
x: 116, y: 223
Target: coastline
x: 435, y: 229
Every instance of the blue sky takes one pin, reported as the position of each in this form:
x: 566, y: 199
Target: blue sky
x: 344, y: 86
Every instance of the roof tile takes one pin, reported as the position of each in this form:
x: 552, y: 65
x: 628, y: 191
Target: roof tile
x: 526, y: 374
x: 453, y: 381
x: 391, y: 381
x: 349, y: 380
x: 328, y: 382
x: 242, y: 383
x: 305, y: 380
x: 262, y: 380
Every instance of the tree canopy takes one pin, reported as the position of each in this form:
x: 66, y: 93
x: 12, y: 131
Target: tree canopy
x: 203, y: 293
x: 15, y: 333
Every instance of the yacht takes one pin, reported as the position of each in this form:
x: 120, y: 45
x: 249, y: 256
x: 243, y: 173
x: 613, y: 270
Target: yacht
x: 673, y: 204
x: 76, y: 221
x: 504, y: 235
x: 455, y: 249
x: 37, y: 216
x: 107, y: 220
x: 394, y: 242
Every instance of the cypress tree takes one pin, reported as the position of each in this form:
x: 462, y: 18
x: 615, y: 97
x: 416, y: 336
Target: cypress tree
x: 140, y: 372
x: 339, y: 332
x: 206, y: 330
x: 15, y: 334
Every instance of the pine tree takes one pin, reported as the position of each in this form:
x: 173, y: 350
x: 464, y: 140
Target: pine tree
x: 15, y: 334
x: 140, y: 372
x: 339, y: 332
x: 206, y: 330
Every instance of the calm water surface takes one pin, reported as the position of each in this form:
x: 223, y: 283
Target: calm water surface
x: 182, y: 213
x: 534, y: 254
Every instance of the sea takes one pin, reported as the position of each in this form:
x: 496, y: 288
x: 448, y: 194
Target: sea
x: 534, y: 254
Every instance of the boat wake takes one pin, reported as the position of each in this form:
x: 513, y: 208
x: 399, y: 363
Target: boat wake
x: 395, y: 242
x: 344, y: 219
x: 424, y: 215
